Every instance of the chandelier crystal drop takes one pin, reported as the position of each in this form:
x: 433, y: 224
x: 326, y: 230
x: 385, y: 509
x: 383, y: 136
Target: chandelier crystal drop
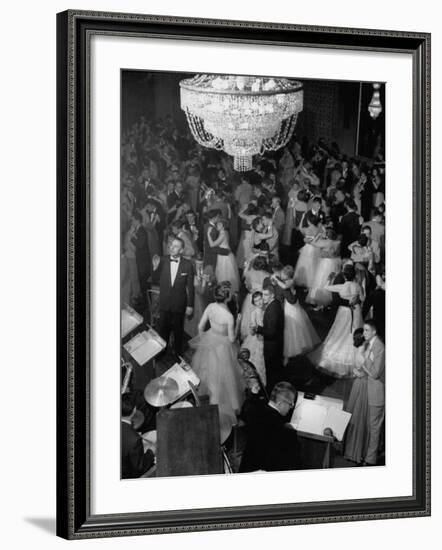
x: 241, y: 115
x: 375, y: 107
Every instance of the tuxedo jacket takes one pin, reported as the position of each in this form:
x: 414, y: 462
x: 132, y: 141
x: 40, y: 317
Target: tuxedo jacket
x: 375, y: 365
x: 210, y: 253
x: 175, y: 298
x: 350, y: 229
x: 273, y: 328
x: 270, y: 444
x: 134, y: 461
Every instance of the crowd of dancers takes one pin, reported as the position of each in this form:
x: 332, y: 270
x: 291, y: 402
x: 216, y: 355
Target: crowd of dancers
x: 258, y: 261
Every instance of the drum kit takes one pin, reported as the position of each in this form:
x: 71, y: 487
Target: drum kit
x: 161, y: 391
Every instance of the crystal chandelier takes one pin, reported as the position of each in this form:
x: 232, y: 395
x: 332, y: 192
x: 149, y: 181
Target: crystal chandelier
x: 242, y: 115
x: 375, y: 107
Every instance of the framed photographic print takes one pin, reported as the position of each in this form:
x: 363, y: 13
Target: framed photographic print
x: 243, y: 274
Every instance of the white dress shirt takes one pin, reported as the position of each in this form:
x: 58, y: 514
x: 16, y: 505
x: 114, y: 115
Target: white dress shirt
x: 173, y: 270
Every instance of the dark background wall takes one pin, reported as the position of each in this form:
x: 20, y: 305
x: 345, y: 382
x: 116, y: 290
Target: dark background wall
x: 331, y: 108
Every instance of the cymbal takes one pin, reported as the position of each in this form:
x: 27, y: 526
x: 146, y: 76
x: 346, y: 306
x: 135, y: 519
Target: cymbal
x: 161, y: 391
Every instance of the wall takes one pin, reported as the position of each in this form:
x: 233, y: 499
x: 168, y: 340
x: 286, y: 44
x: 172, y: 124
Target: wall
x: 28, y: 275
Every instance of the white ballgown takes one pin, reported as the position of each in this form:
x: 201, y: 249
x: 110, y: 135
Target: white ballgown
x: 299, y: 334
x: 307, y: 260
x: 254, y: 281
x: 336, y: 354
x: 215, y: 363
x: 226, y: 267
x: 255, y: 344
x: 325, y: 267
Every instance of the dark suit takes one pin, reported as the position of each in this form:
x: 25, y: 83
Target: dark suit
x: 273, y: 333
x: 174, y: 299
x: 270, y: 445
x: 350, y: 228
x: 134, y: 461
x: 210, y: 253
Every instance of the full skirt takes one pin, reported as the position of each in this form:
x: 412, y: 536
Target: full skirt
x: 227, y: 270
x: 244, y: 250
x: 215, y: 362
x: 299, y: 334
x: 336, y: 354
x: 317, y: 295
x: 306, y: 265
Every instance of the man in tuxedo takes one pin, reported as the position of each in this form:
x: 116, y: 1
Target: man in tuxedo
x: 210, y: 252
x: 272, y: 443
x: 350, y: 227
x: 134, y: 461
x: 316, y: 210
x: 175, y: 277
x: 273, y: 334
x: 374, y: 366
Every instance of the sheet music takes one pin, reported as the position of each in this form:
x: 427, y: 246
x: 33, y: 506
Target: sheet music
x: 145, y: 346
x: 314, y: 417
x: 130, y: 320
x: 337, y: 420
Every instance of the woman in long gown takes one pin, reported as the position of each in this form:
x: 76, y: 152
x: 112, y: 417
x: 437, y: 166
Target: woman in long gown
x: 244, y: 251
x: 308, y: 255
x: 290, y: 215
x: 203, y: 284
x: 336, y: 355
x: 215, y: 360
x: 226, y: 268
x: 286, y: 167
x: 356, y: 435
x: 254, y: 278
x: 329, y: 262
x: 254, y: 342
x: 299, y: 333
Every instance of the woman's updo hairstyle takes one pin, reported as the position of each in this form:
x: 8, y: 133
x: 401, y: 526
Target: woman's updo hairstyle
x: 288, y: 271
x: 222, y: 292
x: 302, y: 196
x: 363, y: 240
x: 349, y: 272
x: 358, y: 337
x: 260, y: 263
x: 255, y: 223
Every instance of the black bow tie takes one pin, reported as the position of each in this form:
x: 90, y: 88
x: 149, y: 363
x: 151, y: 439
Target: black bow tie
x: 172, y: 260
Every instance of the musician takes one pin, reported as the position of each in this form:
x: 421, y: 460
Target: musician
x: 134, y: 461
x: 272, y: 444
x: 175, y: 277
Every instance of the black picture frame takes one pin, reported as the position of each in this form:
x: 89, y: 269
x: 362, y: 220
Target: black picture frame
x: 74, y: 31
